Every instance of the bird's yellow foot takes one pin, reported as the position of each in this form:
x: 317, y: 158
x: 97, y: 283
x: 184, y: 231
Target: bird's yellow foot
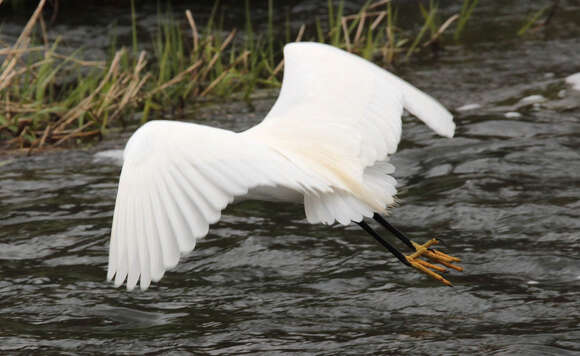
x: 436, y: 257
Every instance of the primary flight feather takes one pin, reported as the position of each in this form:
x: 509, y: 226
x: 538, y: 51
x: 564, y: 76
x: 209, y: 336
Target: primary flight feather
x: 325, y: 143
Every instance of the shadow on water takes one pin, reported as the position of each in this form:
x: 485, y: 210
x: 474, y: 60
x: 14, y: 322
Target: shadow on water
x: 504, y: 195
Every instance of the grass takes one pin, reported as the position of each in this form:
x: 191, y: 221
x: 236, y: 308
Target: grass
x: 466, y: 11
x: 48, y: 99
x: 533, y: 20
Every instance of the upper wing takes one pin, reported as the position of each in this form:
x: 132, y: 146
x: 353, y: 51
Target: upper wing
x: 340, y: 116
x: 175, y: 181
x: 326, y: 88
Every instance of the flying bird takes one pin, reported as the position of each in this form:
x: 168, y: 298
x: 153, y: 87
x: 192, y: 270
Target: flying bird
x: 325, y: 143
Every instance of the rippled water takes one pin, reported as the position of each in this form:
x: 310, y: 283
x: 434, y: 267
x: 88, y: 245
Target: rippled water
x: 504, y: 195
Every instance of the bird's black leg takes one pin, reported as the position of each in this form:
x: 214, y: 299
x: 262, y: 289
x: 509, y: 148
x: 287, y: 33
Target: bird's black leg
x: 394, y: 231
x: 414, y: 259
x: 388, y: 246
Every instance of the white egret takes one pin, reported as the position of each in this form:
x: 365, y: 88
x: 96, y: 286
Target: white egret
x: 325, y: 143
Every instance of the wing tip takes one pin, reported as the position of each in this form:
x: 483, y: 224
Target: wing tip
x: 429, y: 110
x: 144, y: 284
x: 448, y: 129
x: 117, y: 284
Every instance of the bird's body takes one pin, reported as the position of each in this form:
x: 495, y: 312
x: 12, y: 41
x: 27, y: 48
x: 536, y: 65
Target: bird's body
x: 325, y: 143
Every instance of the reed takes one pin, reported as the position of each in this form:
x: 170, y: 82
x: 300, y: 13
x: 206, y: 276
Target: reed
x: 466, y: 11
x: 533, y: 20
x: 48, y: 99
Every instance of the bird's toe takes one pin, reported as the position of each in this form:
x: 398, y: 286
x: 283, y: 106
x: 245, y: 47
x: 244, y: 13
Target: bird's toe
x: 434, y: 256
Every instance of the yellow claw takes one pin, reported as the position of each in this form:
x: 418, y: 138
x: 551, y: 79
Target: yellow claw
x: 436, y: 257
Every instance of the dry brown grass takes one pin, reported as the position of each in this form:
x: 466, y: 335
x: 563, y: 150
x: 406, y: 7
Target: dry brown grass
x: 38, y: 110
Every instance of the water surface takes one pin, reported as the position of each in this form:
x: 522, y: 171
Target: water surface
x: 504, y: 195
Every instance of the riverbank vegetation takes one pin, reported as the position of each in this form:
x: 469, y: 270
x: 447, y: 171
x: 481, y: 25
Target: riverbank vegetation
x: 48, y: 98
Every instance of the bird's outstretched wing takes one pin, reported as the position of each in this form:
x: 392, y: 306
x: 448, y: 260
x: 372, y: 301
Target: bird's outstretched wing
x: 324, y: 85
x: 344, y: 113
x: 175, y: 181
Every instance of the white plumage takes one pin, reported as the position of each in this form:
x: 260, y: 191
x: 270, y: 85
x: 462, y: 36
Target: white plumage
x: 325, y: 143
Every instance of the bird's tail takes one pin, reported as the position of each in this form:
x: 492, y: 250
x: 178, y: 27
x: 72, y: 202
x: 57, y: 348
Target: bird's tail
x: 344, y: 207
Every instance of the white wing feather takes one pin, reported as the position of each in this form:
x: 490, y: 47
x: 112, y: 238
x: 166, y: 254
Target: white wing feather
x: 176, y: 180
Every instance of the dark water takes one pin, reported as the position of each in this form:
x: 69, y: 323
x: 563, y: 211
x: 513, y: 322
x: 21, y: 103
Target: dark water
x: 504, y: 195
